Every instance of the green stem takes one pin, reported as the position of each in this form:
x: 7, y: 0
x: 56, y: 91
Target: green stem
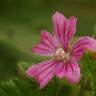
x: 57, y: 87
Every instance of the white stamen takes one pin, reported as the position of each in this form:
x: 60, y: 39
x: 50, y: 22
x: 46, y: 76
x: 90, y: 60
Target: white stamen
x: 60, y: 54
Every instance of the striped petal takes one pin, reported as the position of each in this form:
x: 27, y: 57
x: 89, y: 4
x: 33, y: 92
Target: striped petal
x: 71, y: 29
x: 46, y: 46
x: 72, y: 72
x: 60, y: 70
x: 64, y: 28
x: 43, y: 72
x: 81, y: 45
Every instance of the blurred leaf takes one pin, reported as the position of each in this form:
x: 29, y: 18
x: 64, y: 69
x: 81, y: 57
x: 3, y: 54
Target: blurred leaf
x: 88, y: 80
x: 9, y: 56
x: 21, y: 85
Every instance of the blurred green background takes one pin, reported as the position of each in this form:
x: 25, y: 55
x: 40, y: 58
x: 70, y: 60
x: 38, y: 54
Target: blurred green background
x: 22, y: 20
x: 20, y: 24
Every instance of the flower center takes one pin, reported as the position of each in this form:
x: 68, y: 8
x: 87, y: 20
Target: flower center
x: 60, y: 54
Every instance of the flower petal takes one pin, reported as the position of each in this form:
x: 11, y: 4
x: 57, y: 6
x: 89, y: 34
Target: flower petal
x: 71, y: 28
x: 72, y: 72
x: 81, y: 45
x: 46, y: 46
x: 60, y: 70
x: 42, y: 72
x: 64, y: 29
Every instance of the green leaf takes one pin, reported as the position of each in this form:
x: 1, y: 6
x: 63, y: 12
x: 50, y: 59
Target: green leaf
x: 88, y: 79
x: 21, y: 85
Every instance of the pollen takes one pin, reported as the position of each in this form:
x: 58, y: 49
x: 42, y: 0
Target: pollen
x: 60, y: 54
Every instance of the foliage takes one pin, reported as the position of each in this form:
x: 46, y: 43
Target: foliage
x: 21, y: 85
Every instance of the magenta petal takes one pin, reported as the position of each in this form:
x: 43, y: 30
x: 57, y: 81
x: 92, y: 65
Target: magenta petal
x: 46, y: 46
x: 59, y: 27
x: 64, y: 28
x: 72, y: 72
x: 83, y: 44
x: 71, y: 29
x: 60, y: 70
x: 42, y: 72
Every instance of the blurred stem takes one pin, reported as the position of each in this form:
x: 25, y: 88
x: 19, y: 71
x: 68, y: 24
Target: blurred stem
x: 82, y: 88
x: 93, y: 87
x: 42, y: 92
x: 57, y: 87
x: 92, y: 78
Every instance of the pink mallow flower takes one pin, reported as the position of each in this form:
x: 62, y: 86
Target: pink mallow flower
x: 63, y: 57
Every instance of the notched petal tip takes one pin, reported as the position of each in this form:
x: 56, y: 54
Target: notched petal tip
x: 42, y: 73
x: 73, y: 72
x: 29, y: 71
x: 57, y: 12
x: 33, y: 48
x: 43, y: 32
x: 57, y: 15
x: 73, y: 18
x: 91, y: 46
